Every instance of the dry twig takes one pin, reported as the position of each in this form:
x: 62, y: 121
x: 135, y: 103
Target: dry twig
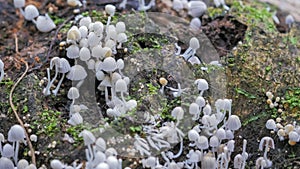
x: 33, y: 160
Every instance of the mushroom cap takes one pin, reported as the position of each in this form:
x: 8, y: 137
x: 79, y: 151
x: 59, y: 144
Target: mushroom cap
x: 102, y: 166
x: 201, y: 84
x: 195, y: 23
x: 111, y: 152
x: 177, y: 5
x: 56, y: 164
x: 120, y: 27
x: 293, y: 136
x: 7, y: 151
x: 22, y: 164
x: 77, y: 72
x: 85, y: 21
x: 100, y: 144
x: 31, y: 12
x: 266, y: 141
x: 121, y: 86
x: 98, y: 28
x: 64, y: 65
x: 97, y: 51
x: 93, y: 39
x: 100, y: 75
x: 16, y: 133
x: 177, y: 113
x: 6, y: 163
x: 202, y: 143
x: 45, y: 23
x: 233, y: 122
x: 271, y: 124
x: 75, y: 119
x: 113, y: 162
x: 200, y: 101
x: 194, y: 109
x: 91, y: 64
x: 229, y: 135
x: 73, y: 52
x: 230, y: 145
x: 207, y: 109
x: 74, y: 34
x: 115, y: 77
x: 289, y: 20
x: 109, y: 64
x: 122, y: 37
x: 19, y: 3
x: 110, y: 9
x: 73, y: 93
x: 131, y: 104
x: 221, y: 133
x: 83, y: 42
x: 120, y: 64
x: 193, y: 135
x: 196, y: 8
x: 151, y: 162
x: 194, y: 43
x: 105, y: 52
x: 214, y: 141
x: 88, y: 137
x: 110, y: 43
x: 83, y: 31
x: 84, y: 54
x: 238, y: 161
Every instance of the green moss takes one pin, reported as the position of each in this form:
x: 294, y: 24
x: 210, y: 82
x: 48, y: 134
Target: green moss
x: 254, y: 14
x: 48, y: 123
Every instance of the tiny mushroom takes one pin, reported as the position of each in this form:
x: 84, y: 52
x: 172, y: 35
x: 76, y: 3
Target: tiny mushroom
x: 193, y: 46
x: 63, y: 68
x: 16, y: 134
x: 110, y: 10
x: 77, y: 73
x: 89, y: 139
x: 22, y: 164
x: 178, y: 114
x: 45, y: 23
x: 195, y: 24
x: 194, y: 110
x: 265, y: 144
x: 271, y: 124
x: 196, y: 8
x: 31, y: 12
x: 202, y: 85
x: 121, y: 87
x: 6, y: 163
x: 289, y: 20
x: 73, y: 94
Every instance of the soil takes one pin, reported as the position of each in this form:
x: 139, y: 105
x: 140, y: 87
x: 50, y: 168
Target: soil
x: 246, y: 71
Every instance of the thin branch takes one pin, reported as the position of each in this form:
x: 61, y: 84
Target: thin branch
x: 33, y: 160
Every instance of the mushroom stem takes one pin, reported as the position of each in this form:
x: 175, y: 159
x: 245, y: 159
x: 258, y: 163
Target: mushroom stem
x: 22, y: 11
x: 16, y: 152
x: 2, y: 75
x: 107, y: 24
x: 47, y: 89
x: 106, y: 95
x: 122, y: 96
x: 58, y: 86
x: 180, y: 150
x: 79, y: 84
x: 266, y: 150
x: 178, y: 49
x: 52, y: 81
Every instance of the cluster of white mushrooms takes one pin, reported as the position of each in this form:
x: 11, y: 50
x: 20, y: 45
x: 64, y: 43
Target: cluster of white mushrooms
x: 9, y: 152
x: 31, y: 13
